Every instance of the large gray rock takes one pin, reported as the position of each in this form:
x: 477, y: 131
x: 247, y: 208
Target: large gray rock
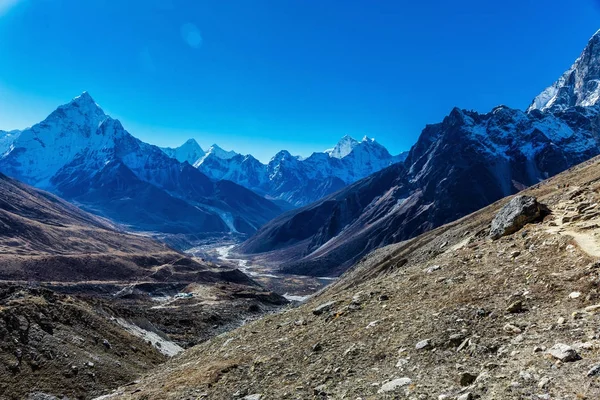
x: 564, y: 353
x: 513, y: 216
x: 394, y: 384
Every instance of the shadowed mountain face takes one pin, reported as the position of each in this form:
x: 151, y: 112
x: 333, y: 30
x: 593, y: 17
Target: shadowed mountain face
x: 83, y: 307
x: 44, y: 238
x: 464, y: 163
x: 87, y: 157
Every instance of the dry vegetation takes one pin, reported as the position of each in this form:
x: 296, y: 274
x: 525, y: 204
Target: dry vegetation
x: 489, y: 311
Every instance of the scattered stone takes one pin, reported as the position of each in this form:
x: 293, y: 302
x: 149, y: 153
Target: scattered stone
x: 317, y: 347
x: 595, y: 370
x: 564, y: 353
x: 518, y: 212
x: 512, y: 328
x: 384, y: 297
x: 465, y: 396
x: 539, y: 349
x: 372, y: 324
x: 432, y: 269
x: 255, y: 396
x: 424, y: 345
x: 464, y: 344
x: 352, y: 350
x: 456, y: 339
x: 394, y: 384
x: 402, y: 362
x: 561, y: 321
x: 323, y: 308
x: 515, y: 254
x: 543, y: 382
x: 106, y: 343
x: 574, y: 295
x: 515, y: 307
x: 466, y: 379
x: 592, y: 309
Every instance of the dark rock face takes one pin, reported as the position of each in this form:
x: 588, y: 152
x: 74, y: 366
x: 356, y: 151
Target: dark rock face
x: 520, y: 211
x: 458, y: 166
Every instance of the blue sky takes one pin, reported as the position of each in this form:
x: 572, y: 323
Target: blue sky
x: 258, y: 76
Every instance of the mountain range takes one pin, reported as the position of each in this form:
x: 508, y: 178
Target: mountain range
x: 462, y: 164
x: 87, y: 157
x: 290, y: 180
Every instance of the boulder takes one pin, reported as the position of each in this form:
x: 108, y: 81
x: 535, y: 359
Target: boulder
x: 564, y: 353
x: 394, y: 384
x: 520, y: 211
x: 424, y: 345
x: 324, y: 308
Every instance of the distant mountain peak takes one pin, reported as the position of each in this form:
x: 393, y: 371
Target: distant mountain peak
x: 368, y: 139
x: 578, y: 86
x: 219, y: 152
x: 190, y: 151
x: 343, y: 147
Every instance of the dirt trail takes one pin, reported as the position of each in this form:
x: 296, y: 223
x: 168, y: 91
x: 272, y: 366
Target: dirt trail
x: 585, y: 241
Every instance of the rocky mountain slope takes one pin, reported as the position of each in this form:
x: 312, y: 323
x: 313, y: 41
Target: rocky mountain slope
x: 466, y: 162
x: 450, y: 314
x: 87, y: 157
x: 295, y: 181
x: 69, y: 281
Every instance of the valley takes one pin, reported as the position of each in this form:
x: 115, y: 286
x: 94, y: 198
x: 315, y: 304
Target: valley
x: 466, y: 268
x: 295, y: 288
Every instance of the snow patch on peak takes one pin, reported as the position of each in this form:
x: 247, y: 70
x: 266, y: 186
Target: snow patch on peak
x: 190, y: 151
x: 343, y: 147
x: 578, y: 86
x: 222, y: 154
x: 368, y: 139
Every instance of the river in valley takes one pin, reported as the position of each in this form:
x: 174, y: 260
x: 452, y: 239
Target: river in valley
x: 293, y: 287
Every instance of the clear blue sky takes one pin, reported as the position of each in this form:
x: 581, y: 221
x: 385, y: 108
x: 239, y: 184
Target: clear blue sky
x: 257, y: 76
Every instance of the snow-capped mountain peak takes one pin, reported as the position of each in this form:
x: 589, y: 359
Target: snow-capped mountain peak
x: 343, y: 147
x: 367, y: 139
x: 190, y: 151
x: 578, y: 86
x: 222, y: 154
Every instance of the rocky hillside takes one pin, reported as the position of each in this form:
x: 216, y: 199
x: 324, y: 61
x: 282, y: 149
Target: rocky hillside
x: 69, y: 281
x: 457, y: 166
x: 450, y: 314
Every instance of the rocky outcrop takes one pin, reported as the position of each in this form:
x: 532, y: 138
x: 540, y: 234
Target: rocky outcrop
x: 519, y: 211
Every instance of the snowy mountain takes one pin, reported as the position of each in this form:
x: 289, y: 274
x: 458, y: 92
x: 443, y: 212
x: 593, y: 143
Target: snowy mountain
x: 343, y: 147
x: 298, y: 181
x: 190, y: 151
x: 84, y: 155
x: 216, y: 151
x: 457, y: 166
x: 579, y: 86
x: 7, y: 139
